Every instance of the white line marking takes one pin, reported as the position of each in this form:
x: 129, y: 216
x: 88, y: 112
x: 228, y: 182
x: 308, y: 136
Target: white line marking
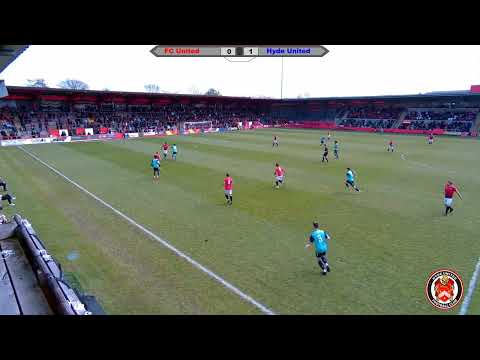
x: 199, y: 266
x: 471, y: 289
x: 417, y: 163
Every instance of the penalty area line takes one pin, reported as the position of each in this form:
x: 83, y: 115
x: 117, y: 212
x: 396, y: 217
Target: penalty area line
x: 264, y: 309
x: 471, y: 289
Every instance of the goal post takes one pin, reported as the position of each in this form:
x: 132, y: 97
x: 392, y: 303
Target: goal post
x: 197, y: 125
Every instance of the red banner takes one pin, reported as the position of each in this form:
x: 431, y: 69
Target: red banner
x: 418, y: 132
x: 104, y: 130
x: 352, y: 128
x: 54, y: 132
x: 80, y: 131
x: 313, y: 125
x: 475, y: 89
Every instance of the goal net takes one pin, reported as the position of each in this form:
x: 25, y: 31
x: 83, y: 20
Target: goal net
x: 197, y: 125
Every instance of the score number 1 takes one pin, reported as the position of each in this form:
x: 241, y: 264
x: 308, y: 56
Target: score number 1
x: 233, y: 51
x: 252, y: 51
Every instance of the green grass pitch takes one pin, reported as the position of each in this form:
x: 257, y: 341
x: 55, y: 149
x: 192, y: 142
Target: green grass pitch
x: 385, y: 240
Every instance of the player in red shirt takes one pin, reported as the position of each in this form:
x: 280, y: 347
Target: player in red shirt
x: 279, y: 173
x: 165, y: 150
x: 228, y: 188
x: 450, y: 190
x: 430, y: 139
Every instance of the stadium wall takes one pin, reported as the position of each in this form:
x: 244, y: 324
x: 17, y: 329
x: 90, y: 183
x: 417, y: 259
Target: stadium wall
x: 109, y: 137
x: 332, y: 126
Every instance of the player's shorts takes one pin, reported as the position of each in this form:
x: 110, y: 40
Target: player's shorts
x: 448, y: 201
x: 165, y: 152
x: 279, y: 178
x: 156, y: 171
x: 350, y: 182
x: 430, y: 141
x: 228, y: 192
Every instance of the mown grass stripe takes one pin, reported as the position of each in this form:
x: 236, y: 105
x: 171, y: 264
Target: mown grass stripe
x: 264, y: 309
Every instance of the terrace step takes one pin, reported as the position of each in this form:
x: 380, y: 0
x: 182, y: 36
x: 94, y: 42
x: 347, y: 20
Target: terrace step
x: 400, y: 119
x: 476, y: 124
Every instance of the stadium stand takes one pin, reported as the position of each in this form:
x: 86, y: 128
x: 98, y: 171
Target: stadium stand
x: 44, y: 112
x: 456, y: 121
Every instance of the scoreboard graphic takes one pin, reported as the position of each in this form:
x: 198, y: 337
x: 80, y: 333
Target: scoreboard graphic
x: 239, y: 51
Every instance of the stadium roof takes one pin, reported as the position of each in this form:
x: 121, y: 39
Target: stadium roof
x: 8, y: 53
x: 426, y: 96
x: 21, y: 92
x: 40, y: 91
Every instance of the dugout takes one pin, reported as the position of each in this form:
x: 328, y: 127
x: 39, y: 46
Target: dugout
x: 32, y: 282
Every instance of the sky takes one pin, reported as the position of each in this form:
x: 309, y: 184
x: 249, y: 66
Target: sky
x: 347, y: 70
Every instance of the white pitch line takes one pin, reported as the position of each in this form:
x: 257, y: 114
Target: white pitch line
x: 471, y: 289
x: 417, y: 163
x: 181, y: 254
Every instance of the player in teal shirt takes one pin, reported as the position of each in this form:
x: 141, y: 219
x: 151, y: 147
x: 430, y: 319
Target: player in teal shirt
x: 174, y: 152
x: 319, y: 240
x: 155, y: 165
x: 350, y: 179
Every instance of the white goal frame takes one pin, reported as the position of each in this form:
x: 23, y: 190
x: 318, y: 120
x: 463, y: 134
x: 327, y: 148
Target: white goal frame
x: 190, y: 123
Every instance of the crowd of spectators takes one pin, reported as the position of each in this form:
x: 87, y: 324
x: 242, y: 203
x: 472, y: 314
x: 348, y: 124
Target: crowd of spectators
x: 371, y: 112
x: 438, y: 115
x: 455, y: 126
x: 367, y: 123
x: 369, y: 117
x: 459, y: 121
x: 24, y: 122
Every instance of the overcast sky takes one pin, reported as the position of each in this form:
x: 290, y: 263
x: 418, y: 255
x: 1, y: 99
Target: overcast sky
x: 345, y: 71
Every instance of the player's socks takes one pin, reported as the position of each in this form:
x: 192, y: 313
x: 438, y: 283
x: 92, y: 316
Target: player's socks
x: 231, y: 199
x: 451, y: 209
x: 324, y: 272
x: 328, y: 268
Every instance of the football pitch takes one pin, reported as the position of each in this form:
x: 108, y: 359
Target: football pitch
x: 385, y: 242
